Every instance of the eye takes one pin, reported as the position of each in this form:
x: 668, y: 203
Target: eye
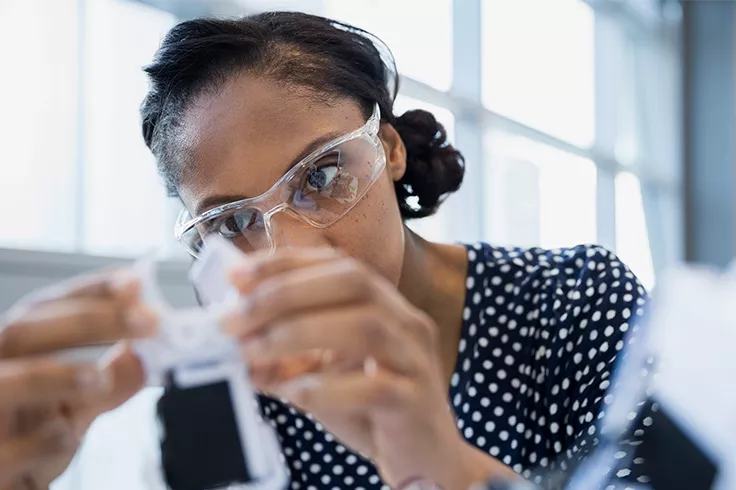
x: 322, y: 176
x: 238, y: 223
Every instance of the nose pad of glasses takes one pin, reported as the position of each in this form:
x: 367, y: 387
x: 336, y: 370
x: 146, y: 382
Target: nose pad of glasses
x: 286, y: 229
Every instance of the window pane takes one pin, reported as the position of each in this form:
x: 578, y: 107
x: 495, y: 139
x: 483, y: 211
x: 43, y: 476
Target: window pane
x: 628, y: 123
x: 673, y: 224
x: 538, y: 65
x: 433, y: 228
x: 632, y: 237
x: 126, y: 209
x: 418, y: 32
x: 536, y: 195
x: 39, y: 103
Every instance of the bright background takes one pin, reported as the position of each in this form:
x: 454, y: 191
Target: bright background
x: 567, y: 112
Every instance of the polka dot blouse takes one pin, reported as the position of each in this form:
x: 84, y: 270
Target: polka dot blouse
x: 541, y: 332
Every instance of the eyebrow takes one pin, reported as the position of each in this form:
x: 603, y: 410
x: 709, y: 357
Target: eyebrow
x: 216, y: 200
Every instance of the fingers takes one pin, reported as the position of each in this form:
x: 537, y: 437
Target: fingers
x: 264, y: 373
x: 338, y: 283
x: 355, y: 333
x: 120, y: 284
x: 21, y: 454
x: 126, y: 374
x: 73, y: 322
x: 349, y: 391
x: 260, y: 267
x: 38, y: 381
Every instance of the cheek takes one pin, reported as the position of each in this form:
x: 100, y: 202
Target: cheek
x: 373, y: 231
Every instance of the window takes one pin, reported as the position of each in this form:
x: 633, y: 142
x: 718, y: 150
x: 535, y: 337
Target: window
x: 538, y: 65
x: 632, y: 236
x: 126, y: 211
x: 537, y: 195
x: 570, y: 132
x: 423, y: 49
x: 82, y: 178
x: 38, y: 179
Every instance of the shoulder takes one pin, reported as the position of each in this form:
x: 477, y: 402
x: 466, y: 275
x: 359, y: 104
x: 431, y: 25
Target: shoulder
x: 572, y: 304
x: 575, y: 273
x: 547, y: 327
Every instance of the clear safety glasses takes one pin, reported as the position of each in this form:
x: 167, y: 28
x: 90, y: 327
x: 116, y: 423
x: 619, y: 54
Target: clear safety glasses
x: 319, y: 190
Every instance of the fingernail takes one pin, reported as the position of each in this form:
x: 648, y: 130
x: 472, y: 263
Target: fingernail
x: 370, y: 367
x: 326, y: 357
x: 141, y: 320
x: 93, y: 379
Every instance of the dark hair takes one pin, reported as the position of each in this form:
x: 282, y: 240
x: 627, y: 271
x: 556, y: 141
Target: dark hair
x: 331, y: 58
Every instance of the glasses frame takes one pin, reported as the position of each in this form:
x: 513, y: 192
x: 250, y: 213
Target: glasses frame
x: 369, y: 132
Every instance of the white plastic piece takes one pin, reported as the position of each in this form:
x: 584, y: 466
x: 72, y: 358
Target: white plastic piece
x: 192, y: 335
x: 191, y: 344
x: 210, y: 274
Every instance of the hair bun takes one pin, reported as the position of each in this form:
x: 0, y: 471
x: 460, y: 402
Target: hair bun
x: 434, y: 168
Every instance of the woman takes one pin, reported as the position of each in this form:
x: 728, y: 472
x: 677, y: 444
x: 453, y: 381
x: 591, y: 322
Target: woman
x: 277, y: 132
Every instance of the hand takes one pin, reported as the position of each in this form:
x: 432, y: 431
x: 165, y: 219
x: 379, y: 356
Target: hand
x: 335, y: 339
x: 46, y: 403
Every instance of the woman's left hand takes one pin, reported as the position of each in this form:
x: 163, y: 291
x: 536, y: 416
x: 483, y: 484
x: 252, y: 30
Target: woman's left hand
x: 335, y: 339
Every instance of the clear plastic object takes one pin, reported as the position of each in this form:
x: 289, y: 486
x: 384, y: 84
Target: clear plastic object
x: 673, y: 411
x: 212, y: 435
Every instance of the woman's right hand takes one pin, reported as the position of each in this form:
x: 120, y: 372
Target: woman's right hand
x: 46, y: 402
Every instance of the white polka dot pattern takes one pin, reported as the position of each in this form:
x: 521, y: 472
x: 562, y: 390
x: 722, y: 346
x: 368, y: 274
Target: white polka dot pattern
x: 541, y: 332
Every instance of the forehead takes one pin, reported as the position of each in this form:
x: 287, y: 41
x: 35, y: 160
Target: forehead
x: 242, y: 138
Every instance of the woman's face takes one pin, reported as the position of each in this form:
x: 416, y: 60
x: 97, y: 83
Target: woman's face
x: 241, y: 139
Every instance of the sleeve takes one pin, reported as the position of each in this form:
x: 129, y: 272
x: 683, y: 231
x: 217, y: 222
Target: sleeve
x: 594, y: 311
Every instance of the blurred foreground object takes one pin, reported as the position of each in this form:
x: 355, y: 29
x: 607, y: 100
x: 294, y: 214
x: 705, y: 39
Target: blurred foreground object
x: 672, y: 407
x: 673, y: 403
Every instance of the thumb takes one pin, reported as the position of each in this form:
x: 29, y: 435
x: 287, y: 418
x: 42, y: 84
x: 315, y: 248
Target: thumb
x: 125, y: 376
x: 125, y: 373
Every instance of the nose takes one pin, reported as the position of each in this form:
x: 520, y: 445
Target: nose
x: 289, y: 231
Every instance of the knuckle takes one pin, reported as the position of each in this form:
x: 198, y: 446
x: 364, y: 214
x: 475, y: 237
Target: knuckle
x: 385, y: 392
x: 373, y: 328
x: 9, y: 339
x: 276, y: 292
x: 54, y: 439
x: 356, y: 278
x: 92, y: 317
x: 424, y: 328
x: 305, y: 396
x: 266, y: 340
x: 265, y: 266
x: 100, y: 319
x: 46, y: 376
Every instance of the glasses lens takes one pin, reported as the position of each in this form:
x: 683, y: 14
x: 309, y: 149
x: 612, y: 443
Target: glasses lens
x: 192, y: 241
x: 245, y: 228
x: 328, y: 187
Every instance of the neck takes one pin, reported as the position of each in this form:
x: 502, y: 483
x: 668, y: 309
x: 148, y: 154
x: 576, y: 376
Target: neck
x: 433, y: 280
